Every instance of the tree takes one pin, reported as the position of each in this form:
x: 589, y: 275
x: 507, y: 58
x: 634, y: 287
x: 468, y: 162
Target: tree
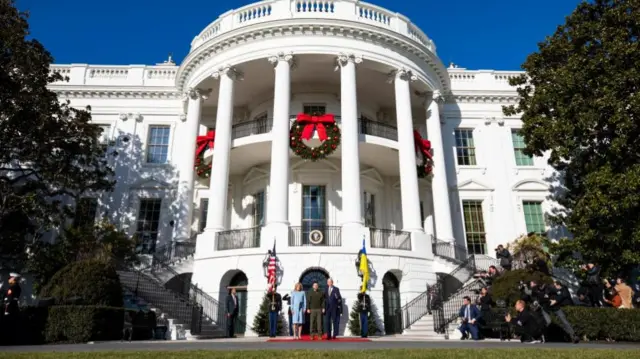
x: 102, y: 242
x: 528, y: 248
x: 48, y: 149
x: 580, y: 102
x: 354, y: 320
x: 261, y: 320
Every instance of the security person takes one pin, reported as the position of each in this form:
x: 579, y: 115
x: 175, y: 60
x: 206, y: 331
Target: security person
x: 364, y: 307
x: 552, y: 299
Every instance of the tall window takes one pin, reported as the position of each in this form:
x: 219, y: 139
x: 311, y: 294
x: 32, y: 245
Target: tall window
x: 533, y: 217
x: 204, y: 208
x: 314, y: 210
x: 158, y: 144
x: 369, y: 209
x: 258, y: 209
x: 86, y: 209
x: 311, y: 109
x: 148, y: 224
x: 518, y: 150
x: 465, y: 148
x: 474, y: 227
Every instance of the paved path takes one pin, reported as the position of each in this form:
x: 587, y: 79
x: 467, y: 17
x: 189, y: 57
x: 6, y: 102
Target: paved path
x: 258, y: 344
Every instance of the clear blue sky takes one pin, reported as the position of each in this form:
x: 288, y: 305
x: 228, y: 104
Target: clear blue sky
x: 476, y: 34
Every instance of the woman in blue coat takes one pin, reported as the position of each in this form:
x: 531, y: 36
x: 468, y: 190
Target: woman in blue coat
x: 298, y: 307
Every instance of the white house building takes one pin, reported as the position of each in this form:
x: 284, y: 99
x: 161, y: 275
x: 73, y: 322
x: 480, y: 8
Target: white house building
x: 367, y: 78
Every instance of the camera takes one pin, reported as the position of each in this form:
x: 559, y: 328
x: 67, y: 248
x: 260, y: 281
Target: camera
x: 522, y: 285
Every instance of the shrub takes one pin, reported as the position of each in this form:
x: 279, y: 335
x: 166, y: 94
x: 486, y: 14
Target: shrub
x: 80, y: 324
x: 261, y: 321
x: 354, y: 320
x: 505, y: 287
x: 95, y: 282
x: 596, y: 324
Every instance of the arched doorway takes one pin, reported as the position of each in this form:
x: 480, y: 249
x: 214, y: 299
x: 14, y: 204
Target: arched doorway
x: 240, y: 282
x: 307, y: 279
x: 391, y: 304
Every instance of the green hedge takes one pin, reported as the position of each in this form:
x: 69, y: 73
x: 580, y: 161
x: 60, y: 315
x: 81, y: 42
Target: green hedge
x: 621, y: 325
x: 63, y: 324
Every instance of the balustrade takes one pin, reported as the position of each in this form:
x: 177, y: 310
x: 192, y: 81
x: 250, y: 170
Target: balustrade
x: 390, y: 239
x: 238, y: 239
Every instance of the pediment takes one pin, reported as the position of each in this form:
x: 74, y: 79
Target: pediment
x: 319, y: 166
x: 373, y: 175
x: 151, y: 183
x: 531, y: 185
x: 471, y: 185
x: 255, y: 173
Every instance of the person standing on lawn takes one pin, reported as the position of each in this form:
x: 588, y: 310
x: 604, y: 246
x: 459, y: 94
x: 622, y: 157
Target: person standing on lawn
x: 315, y: 308
x: 275, y: 307
x: 364, y: 307
x: 298, y: 307
x: 334, y: 309
x: 232, y: 313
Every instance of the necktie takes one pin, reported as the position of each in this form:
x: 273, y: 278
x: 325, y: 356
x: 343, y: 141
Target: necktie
x: 330, y: 289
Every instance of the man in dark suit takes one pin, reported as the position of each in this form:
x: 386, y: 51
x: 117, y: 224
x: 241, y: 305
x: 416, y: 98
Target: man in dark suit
x: 232, y: 313
x: 469, y: 315
x: 525, y: 324
x: 334, y: 309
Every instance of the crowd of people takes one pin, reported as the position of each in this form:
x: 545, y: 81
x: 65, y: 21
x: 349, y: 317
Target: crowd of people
x: 539, y: 301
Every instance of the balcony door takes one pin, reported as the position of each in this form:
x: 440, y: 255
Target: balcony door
x: 314, y: 211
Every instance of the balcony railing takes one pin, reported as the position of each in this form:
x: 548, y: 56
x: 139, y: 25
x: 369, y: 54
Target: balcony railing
x: 309, y: 235
x: 254, y: 127
x: 238, y: 239
x: 390, y: 239
x: 449, y: 250
x: 378, y: 129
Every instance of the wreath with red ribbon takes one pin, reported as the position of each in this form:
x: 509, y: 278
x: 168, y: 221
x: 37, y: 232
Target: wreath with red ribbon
x: 203, y: 143
x: 423, y: 154
x: 302, y: 129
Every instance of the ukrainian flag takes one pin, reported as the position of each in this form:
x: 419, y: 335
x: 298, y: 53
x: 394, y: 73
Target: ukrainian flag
x: 364, y: 268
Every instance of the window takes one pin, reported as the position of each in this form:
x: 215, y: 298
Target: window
x: 204, y: 208
x: 86, y: 210
x: 533, y: 217
x: 518, y: 148
x: 158, y: 144
x: 258, y: 209
x: 474, y: 227
x: 105, y: 136
x: 369, y: 210
x: 148, y: 223
x: 312, y: 109
x: 465, y: 148
x: 314, y: 210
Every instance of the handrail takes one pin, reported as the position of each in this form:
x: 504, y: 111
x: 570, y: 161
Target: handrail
x: 448, y: 311
x: 450, y: 250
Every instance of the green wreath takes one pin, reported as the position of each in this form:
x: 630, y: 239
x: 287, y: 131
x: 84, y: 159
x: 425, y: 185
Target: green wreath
x: 203, y: 170
x: 320, y: 152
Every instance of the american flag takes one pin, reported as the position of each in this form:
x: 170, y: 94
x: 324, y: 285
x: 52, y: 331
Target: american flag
x: 271, y: 269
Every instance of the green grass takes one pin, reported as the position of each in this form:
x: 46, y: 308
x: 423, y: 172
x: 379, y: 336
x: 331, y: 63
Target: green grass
x: 327, y: 354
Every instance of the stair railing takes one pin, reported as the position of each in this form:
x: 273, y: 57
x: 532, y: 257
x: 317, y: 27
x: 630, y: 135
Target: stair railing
x: 449, y: 250
x: 446, y: 313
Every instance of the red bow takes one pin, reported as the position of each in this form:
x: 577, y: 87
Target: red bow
x: 317, y: 122
x: 205, y: 141
x: 424, y: 147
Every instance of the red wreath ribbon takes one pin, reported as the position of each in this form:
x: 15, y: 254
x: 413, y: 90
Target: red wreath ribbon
x: 422, y: 145
x: 314, y: 122
x: 204, y: 142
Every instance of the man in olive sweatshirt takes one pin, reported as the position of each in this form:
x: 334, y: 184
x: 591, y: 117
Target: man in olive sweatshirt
x: 315, y: 308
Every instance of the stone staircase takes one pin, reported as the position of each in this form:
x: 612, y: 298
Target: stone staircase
x: 423, y: 328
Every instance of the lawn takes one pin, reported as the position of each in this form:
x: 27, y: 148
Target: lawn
x: 364, y: 354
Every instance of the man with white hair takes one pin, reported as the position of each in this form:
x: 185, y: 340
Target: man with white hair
x: 334, y: 309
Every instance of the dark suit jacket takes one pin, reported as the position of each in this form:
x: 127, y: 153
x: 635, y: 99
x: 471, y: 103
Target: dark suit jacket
x: 473, y: 312
x: 333, y: 301
x: 232, y: 307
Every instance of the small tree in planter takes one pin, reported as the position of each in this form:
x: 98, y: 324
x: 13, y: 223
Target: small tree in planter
x: 261, y: 320
x: 354, y: 319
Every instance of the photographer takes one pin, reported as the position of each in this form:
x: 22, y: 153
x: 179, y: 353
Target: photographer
x: 595, y: 284
x: 525, y: 325
x: 503, y: 255
x: 551, y: 299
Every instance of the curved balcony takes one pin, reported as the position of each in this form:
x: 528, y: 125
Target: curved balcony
x: 264, y: 125
x: 390, y: 239
x: 342, y: 10
x: 238, y: 239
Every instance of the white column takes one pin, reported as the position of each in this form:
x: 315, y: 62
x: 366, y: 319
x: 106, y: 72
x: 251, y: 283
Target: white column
x: 219, y: 181
x: 439, y: 183
x: 186, y: 163
x: 278, y: 199
x: 351, y: 190
x: 409, y: 191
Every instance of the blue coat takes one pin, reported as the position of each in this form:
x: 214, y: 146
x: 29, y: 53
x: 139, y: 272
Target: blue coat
x: 474, y: 312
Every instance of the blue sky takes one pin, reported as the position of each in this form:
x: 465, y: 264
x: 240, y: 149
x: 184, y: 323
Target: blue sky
x: 490, y: 34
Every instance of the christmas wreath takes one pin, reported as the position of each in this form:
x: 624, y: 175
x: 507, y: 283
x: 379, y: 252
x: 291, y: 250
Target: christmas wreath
x: 302, y: 129
x: 203, y: 168
x: 424, y: 158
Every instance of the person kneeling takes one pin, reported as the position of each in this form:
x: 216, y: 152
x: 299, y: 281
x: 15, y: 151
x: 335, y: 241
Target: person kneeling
x: 468, y: 317
x: 525, y: 325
